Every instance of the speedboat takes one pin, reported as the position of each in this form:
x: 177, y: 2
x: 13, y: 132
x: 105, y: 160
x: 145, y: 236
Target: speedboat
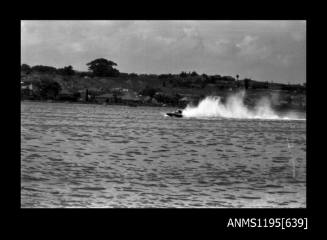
x: 177, y: 114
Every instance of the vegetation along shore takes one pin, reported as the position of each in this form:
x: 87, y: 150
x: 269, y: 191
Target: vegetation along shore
x: 104, y: 84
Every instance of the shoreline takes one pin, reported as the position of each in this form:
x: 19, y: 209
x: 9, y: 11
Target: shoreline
x: 95, y: 103
x: 279, y: 109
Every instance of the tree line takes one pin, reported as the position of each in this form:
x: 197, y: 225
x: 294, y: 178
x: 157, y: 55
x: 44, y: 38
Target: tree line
x: 99, y: 67
x: 102, y: 67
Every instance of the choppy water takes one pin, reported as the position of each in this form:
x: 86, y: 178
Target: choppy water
x: 76, y: 155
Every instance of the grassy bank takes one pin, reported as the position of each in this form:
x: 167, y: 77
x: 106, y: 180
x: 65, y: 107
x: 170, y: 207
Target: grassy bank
x: 155, y: 90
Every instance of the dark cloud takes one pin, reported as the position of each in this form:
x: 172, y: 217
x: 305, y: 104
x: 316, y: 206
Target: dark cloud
x: 263, y: 50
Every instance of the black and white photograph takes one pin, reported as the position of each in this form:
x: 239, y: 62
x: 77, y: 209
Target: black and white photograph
x: 163, y: 114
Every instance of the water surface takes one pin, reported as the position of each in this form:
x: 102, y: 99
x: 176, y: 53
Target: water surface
x: 78, y: 155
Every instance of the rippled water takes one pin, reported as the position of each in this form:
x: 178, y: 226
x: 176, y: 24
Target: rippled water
x: 76, y: 155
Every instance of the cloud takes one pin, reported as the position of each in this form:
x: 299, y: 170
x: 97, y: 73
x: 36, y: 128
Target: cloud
x: 252, y: 47
x: 214, y: 47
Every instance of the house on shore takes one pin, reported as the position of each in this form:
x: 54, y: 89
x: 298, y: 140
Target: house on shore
x: 89, y: 94
x: 184, y: 101
x: 131, y: 98
x: 26, y: 85
x: 146, y: 99
x: 26, y: 90
x: 66, y: 95
x: 188, y: 99
x: 105, y: 98
x: 126, y: 97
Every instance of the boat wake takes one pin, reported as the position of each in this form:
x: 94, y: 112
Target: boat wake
x: 234, y: 107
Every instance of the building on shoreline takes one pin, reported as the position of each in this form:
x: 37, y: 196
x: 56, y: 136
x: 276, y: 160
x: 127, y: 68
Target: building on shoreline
x: 105, y: 98
x: 131, y: 97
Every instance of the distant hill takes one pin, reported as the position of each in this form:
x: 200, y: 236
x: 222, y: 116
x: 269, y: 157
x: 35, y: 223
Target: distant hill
x: 191, y: 84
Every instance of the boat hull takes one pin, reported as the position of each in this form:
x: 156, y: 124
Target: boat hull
x: 174, y: 115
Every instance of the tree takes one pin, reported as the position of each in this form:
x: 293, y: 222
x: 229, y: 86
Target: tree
x: 237, y: 76
x: 133, y: 75
x: 149, y: 91
x: 44, y: 69
x: 204, y: 76
x: 25, y: 68
x: 68, y: 70
x: 246, y: 83
x: 194, y: 74
x: 183, y: 74
x: 165, y: 76
x: 103, y: 68
x: 47, y: 88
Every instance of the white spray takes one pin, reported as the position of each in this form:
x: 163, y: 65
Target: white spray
x: 234, y: 107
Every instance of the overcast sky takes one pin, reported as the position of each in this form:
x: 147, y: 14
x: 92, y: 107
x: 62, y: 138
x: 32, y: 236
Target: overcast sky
x: 262, y: 50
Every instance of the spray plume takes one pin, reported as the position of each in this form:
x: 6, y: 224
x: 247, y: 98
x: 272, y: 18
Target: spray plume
x: 234, y: 107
